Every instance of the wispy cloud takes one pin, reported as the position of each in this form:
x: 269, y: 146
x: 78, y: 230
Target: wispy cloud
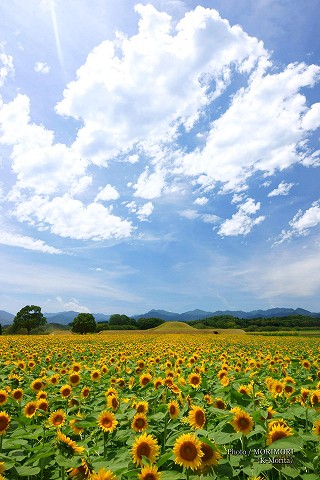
x: 282, y: 189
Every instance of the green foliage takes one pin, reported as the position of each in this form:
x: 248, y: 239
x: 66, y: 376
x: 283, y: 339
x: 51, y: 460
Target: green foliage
x: 146, y: 323
x: 222, y: 321
x: 84, y: 323
x: 290, y: 322
x: 0, y: 329
x: 102, y: 326
x: 122, y: 327
x: 29, y: 317
x: 117, y: 319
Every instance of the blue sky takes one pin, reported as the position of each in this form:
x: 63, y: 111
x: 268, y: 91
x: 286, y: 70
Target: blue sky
x: 160, y: 154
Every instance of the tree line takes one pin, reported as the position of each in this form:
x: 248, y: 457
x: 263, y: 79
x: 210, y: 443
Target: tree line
x: 290, y: 322
x: 30, y: 318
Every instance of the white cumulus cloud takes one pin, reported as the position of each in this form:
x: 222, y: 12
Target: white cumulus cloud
x: 41, y: 67
x: 107, y: 193
x: 68, y: 217
x: 282, y: 189
x: 269, y: 136
x: 133, y: 88
x: 242, y: 222
x: 144, y: 212
x: 301, y: 223
x: 6, y: 66
x: 201, y: 201
x: 311, y: 120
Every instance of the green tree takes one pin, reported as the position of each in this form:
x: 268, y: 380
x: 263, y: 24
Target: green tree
x: 28, y: 317
x: 84, y: 323
x: 117, y: 319
x: 146, y: 323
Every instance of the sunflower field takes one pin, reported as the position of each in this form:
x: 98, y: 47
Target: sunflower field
x: 159, y: 407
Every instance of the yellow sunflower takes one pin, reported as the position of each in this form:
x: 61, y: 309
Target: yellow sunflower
x: 157, y: 382
x: 107, y: 421
x: 173, y: 409
x: 76, y: 367
x: 144, y: 379
x: 103, y: 475
x: 30, y: 409
x: 149, y: 472
x: 17, y: 394
x: 242, y: 421
x: 65, y: 391
x: 42, y: 395
x: 194, y: 380
x: 316, y: 427
x: 83, y: 472
x: 4, y: 422
x: 305, y: 392
x: 210, y: 457
x: 315, y: 398
x: 85, y: 392
x: 37, y: 385
x: 245, y: 389
x: 144, y: 446
x: 68, y: 447
x: 2, y: 467
x: 278, y: 421
x: 54, y: 379
x: 43, y: 405
x: 277, y: 388
x: 95, y: 375
x: 113, y: 402
x: 139, y: 422
x: 219, y: 403
x: 197, y: 417
x: 110, y: 391
x: 57, y: 418
x: 141, y: 407
x: 187, y: 451
x: 76, y: 428
x: 278, y: 431
x: 74, y: 379
x: 3, y: 397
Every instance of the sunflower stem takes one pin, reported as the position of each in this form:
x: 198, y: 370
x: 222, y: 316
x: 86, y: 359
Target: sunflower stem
x: 253, y: 397
x: 1, y: 438
x: 307, y: 419
x: 165, y: 433
x: 105, y: 438
x: 187, y: 473
x: 62, y: 473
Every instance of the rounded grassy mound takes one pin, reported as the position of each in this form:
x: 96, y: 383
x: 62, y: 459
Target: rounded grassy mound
x: 170, y: 326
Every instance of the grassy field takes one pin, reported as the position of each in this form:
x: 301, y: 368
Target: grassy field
x: 286, y: 333
x: 178, y: 328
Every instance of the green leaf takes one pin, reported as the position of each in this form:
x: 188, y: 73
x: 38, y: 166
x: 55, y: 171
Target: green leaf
x: 289, y: 442
x: 157, y: 416
x: 224, y: 469
x: 170, y: 475
x: 225, y: 438
x: 164, y: 458
x: 26, y: 471
x: 289, y: 471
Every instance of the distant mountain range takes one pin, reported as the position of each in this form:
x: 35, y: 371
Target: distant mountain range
x: 64, y: 318
x: 200, y: 314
